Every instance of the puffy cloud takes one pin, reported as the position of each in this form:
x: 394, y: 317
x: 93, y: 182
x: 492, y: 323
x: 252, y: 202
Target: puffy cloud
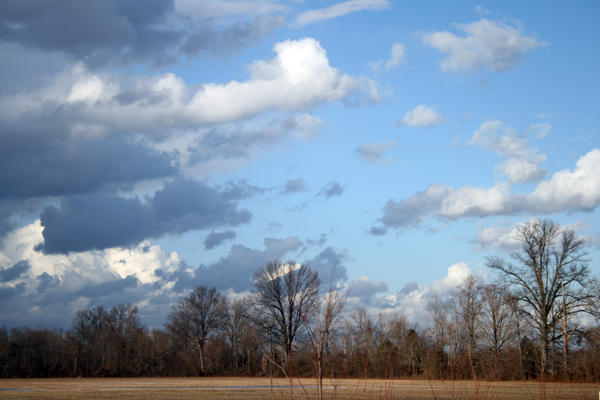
x: 566, y: 191
x: 293, y: 186
x: 339, y: 10
x: 51, y: 288
x: 215, y: 239
x: 373, y: 153
x: 412, y: 300
x: 48, y: 289
x: 396, y: 59
x: 487, y: 44
x: 101, y: 221
x: 497, y: 238
x: 422, y: 116
x: 523, y: 164
x: 83, y: 104
x: 122, y: 32
x: 570, y: 190
x: 332, y: 189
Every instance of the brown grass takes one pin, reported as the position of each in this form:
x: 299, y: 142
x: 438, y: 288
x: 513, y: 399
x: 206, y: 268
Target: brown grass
x: 260, y: 388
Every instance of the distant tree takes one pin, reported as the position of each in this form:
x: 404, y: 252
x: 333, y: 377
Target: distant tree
x: 466, y: 304
x: 196, y: 317
x: 285, y: 293
x: 551, y: 259
x: 231, y: 322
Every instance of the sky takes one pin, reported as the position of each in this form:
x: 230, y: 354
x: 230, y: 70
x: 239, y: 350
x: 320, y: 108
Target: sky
x: 150, y: 147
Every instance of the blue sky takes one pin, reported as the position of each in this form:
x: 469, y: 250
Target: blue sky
x: 146, y: 149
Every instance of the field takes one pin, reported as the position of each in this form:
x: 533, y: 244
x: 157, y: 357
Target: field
x: 261, y: 388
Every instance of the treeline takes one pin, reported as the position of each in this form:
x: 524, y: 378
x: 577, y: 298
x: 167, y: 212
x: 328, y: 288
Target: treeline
x: 525, y: 326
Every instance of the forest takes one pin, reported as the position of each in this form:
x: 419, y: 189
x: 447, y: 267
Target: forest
x: 539, y: 319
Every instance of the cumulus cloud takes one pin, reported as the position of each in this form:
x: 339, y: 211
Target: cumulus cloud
x: 568, y: 190
x: 332, y: 189
x: 373, y: 153
x: 396, y: 59
x: 100, y: 221
x: 487, y: 45
x: 412, y: 300
x: 48, y: 289
x: 523, y: 164
x: 122, y: 32
x: 422, y: 116
x: 339, y: 10
x: 577, y: 190
x: 80, y: 103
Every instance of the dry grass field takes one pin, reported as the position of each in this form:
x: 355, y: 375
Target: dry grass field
x: 261, y: 388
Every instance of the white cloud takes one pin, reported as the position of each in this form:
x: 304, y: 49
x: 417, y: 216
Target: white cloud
x: 56, y: 286
x: 497, y: 238
x: 411, y: 301
x: 577, y: 190
x: 570, y: 190
x: 373, y: 153
x: 422, y: 116
x: 523, y: 164
x: 396, y: 59
x: 487, y: 44
x: 298, y: 79
x: 339, y: 10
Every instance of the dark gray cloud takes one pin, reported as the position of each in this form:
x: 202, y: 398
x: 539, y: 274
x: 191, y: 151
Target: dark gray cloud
x: 121, y: 32
x: 215, y: 239
x: 293, y: 186
x: 115, y: 162
x: 107, y: 288
x: 332, y: 189
x: 14, y: 272
x: 12, y: 291
x: 99, y: 221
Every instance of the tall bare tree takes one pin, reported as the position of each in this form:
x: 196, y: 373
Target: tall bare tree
x: 320, y: 324
x: 231, y: 322
x: 551, y: 257
x: 285, y: 293
x: 197, y: 316
x: 466, y: 304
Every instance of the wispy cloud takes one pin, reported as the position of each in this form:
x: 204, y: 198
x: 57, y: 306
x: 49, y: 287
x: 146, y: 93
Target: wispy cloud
x: 487, y: 45
x: 339, y: 10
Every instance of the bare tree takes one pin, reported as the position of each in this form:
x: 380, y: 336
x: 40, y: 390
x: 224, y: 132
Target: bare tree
x: 498, y: 323
x: 466, y: 304
x: 197, y: 316
x: 320, y: 324
x: 285, y: 293
x: 231, y: 322
x: 551, y: 257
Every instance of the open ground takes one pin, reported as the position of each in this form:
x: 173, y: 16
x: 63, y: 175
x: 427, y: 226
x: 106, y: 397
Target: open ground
x: 263, y: 388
